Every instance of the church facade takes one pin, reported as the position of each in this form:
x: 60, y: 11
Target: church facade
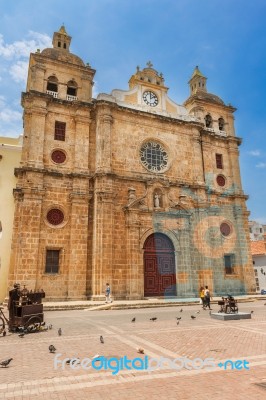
x: 129, y: 188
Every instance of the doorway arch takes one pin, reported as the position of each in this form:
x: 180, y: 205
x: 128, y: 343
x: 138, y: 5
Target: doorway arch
x: 159, y: 266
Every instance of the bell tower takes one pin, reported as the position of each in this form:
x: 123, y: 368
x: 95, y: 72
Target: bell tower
x: 197, y: 82
x: 51, y: 197
x: 61, y: 40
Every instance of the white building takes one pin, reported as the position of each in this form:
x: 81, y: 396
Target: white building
x: 256, y: 230
x: 258, y: 250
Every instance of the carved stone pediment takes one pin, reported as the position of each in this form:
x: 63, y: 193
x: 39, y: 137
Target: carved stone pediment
x: 134, y: 202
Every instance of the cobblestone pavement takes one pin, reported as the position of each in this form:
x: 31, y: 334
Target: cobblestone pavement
x: 31, y: 374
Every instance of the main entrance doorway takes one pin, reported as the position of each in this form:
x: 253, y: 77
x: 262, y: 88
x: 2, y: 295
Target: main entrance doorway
x: 159, y: 266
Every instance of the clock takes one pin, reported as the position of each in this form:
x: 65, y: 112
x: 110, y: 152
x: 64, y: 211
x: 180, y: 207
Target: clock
x: 150, y: 98
x: 153, y: 156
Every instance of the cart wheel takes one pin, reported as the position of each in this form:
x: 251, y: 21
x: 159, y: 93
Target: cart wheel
x: 2, y: 325
x: 31, y: 321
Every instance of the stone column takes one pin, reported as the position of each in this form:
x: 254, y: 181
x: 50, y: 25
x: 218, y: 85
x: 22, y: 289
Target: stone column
x: 135, y: 273
x: 234, y: 163
x: 82, y: 139
x: 78, y: 241
x: 103, y: 142
x: 25, y: 247
x: 198, y: 169
x: 35, y: 132
x: 102, y: 249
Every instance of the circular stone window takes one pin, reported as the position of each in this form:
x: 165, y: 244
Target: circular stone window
x: 220, y: 180
x: 225, y: 229
x: 58, y: 156
x: 153, y: 156
x: 55, y: 216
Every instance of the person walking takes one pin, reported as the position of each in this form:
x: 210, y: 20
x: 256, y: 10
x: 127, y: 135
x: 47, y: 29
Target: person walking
x: 202, y: 296
x: 108, y: 294
x: 207, y: 298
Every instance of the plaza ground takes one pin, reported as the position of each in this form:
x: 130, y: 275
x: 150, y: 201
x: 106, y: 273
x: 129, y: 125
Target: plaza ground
x: 32, y: 375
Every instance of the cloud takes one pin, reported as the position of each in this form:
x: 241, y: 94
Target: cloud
x: 8, y: 115
x: 19, y: 71
x: 260, y: 220
x: 2, y: 101
x: 261, y: 165
x: 95, y: 90
x: 23, y: 48
x: 255, y: 153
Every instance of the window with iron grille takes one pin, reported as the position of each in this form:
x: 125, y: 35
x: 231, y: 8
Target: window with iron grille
x: 219, y: 161
x: 52, y: 261
x: 60, y: 130
x: 229, y: 264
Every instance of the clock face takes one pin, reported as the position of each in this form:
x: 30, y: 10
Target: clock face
x: 154, y: 156
x: 150, y: 98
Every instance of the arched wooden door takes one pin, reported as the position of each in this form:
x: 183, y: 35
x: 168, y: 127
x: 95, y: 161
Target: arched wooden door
x: 159, y: 266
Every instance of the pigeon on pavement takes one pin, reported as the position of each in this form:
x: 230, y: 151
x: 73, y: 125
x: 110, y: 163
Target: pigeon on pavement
x: 101, y: 339
x: 140, y: 350
x: 181, y: 310
x: 5, y: 363
x: 133, y: 319
x: 178, y: 318
x: 193, y: 317
x: 59, y: 332
x: 153, y: 319
x: 52, y: 349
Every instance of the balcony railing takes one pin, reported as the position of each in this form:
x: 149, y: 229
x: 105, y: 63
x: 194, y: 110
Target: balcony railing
x: 54, y: 94
x: 71, y: 98
x: 216, y: 131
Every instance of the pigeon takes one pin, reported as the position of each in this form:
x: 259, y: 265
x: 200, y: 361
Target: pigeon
x: 178, y: 318
x: 133, y: 319
x: 5, y: 362
x: 181, y: 310
x: 140, y: 350
x: 177, y: 323
x: 101, y: 339
x: 52, y: 349
x: 4, y: 333
x: 153, y: 319
x: 73, y: 361
x: 265, y: 304
x: 50, y: 326
x: 193, y: 317
x: 251, y: 312
x: 59, y: 332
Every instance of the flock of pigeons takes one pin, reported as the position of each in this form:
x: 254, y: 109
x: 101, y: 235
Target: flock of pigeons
x: 52, y: 349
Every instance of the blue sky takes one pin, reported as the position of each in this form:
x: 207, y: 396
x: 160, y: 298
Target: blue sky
x: 226, y: 38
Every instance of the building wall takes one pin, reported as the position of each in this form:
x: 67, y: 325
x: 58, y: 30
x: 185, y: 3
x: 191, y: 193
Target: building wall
x: 111, y: 202
x: 10, y: 154
x: 259, y: 263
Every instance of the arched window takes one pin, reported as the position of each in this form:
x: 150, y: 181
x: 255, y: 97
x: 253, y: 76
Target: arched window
x: 221, y: 124
x: 208, y: 121
x: 52, y: 84
x: 72, y: 88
